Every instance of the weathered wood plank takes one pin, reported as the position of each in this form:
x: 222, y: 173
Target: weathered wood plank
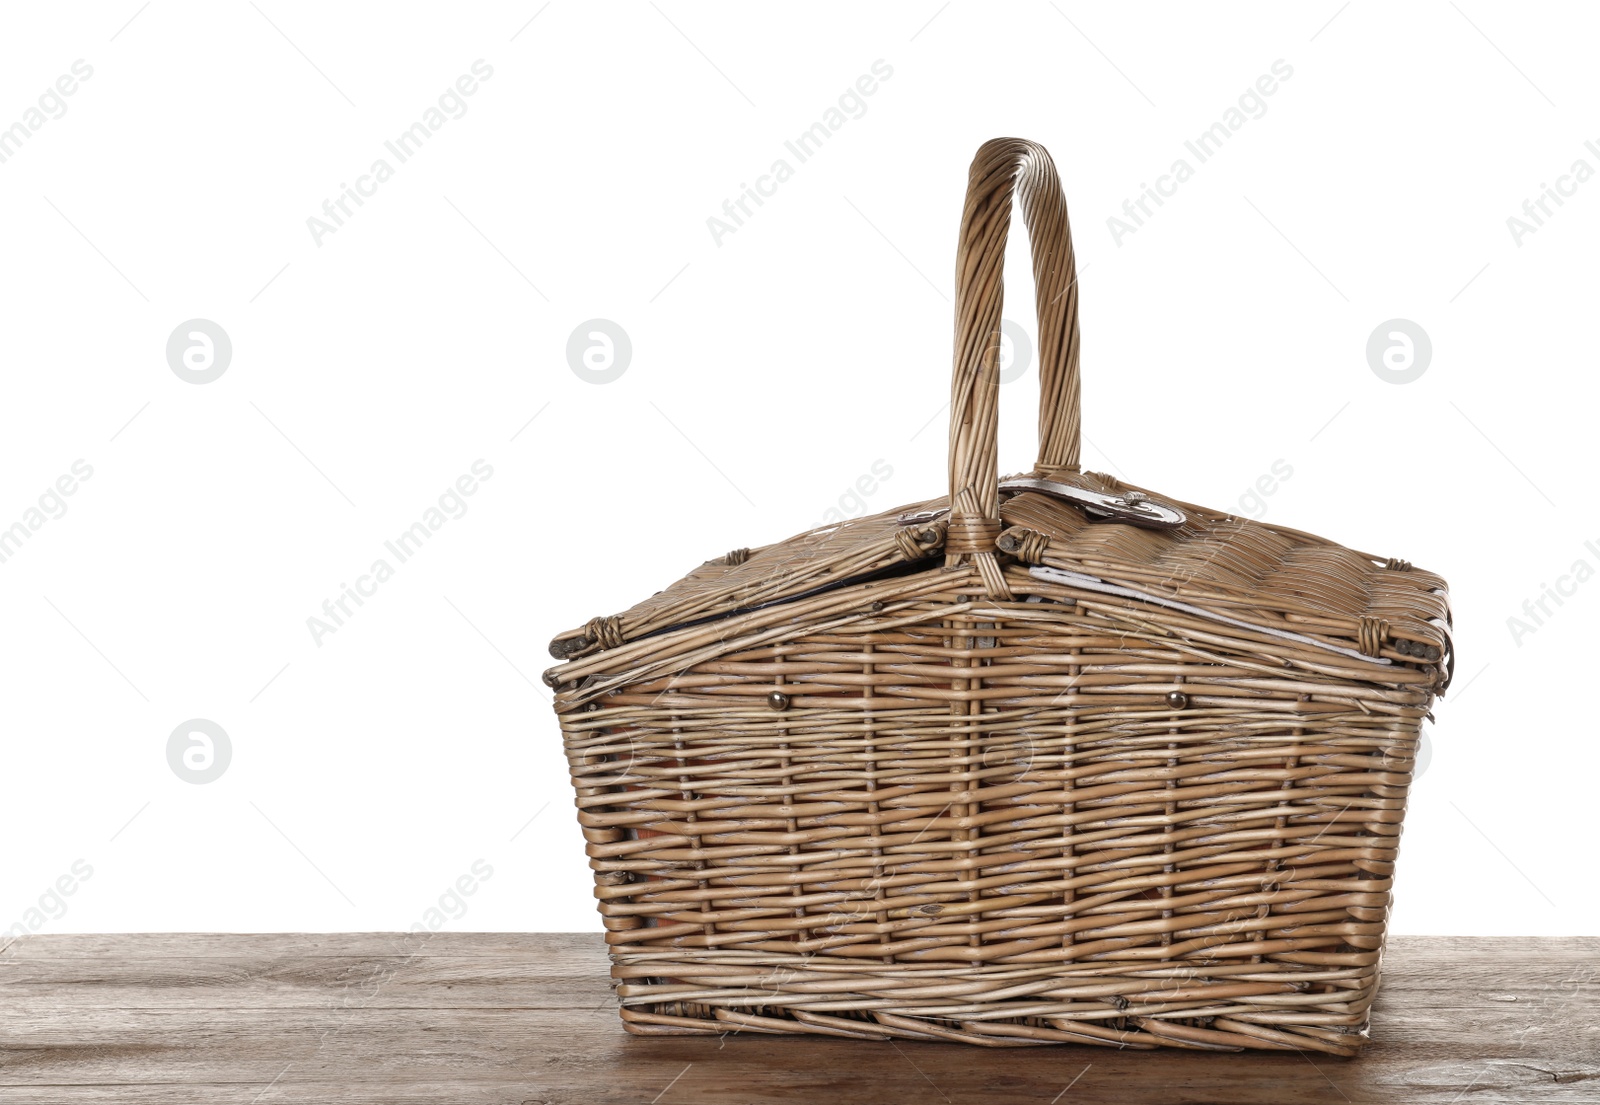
x: 301, y: 983
x: 361, y: 1019
x: 277, y: 945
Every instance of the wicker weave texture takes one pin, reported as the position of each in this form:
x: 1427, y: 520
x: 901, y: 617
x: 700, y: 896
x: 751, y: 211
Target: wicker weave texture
x: 1005, y: 773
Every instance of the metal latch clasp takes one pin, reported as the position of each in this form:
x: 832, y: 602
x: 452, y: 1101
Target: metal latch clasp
x: 1134, y: 507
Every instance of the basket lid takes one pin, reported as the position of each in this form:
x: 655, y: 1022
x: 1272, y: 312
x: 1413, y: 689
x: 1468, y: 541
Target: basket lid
x: 1108, y: 536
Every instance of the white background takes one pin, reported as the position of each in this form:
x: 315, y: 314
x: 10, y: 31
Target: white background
x: 370, y: 370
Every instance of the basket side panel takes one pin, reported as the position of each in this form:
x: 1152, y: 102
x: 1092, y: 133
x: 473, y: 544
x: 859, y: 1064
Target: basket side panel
x: 1027, y: 822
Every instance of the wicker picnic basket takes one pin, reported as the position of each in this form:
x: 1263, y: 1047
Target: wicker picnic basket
x: 1052, y: 760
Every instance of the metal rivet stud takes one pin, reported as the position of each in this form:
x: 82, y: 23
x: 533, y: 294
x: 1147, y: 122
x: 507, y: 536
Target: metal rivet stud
x: 1177, y: 700
x: 778, y: 700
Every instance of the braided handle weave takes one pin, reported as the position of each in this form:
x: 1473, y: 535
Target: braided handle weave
x: 1002, y: 167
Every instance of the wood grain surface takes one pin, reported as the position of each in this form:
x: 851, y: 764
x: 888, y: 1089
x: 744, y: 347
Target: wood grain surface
x: 392, y: 1019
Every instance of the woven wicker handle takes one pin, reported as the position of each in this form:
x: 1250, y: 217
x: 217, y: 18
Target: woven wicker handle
x: 1002, y: 167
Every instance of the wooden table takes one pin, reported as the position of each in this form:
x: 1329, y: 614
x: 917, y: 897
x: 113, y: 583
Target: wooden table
x: 391, y: 1019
